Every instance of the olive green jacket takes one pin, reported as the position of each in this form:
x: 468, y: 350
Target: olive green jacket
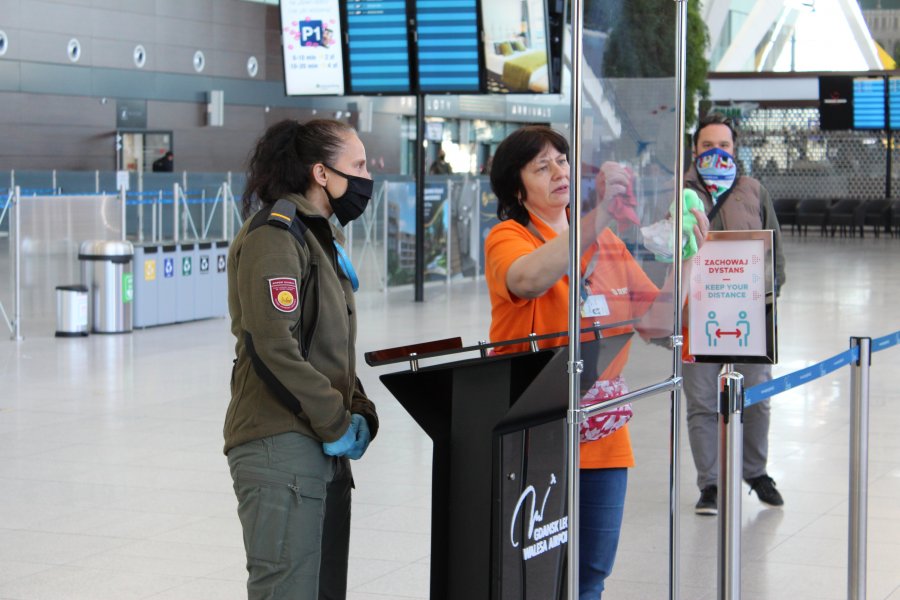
x: 294, y: 320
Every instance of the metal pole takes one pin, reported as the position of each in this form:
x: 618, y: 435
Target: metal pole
x: 203, y: 213
x: 140, y: 216
x: 859, y: 468
x: 476, y: 222
x: 575, y: 367
x: 448, y: 206
x: 122, y: 196
x: 731, y: 443
x: 889, y: 134
x: 225, y: 211
x: 175, y: 211
x: 97, y: 181
x: 385, y: 272
x: 17, y: 267
x: 157, y: 207
x: 419, y: 282
x: 677, y: 340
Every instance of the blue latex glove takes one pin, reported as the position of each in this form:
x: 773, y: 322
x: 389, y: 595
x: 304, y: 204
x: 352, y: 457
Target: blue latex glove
x: 341, y: 446
x: 363, y: 436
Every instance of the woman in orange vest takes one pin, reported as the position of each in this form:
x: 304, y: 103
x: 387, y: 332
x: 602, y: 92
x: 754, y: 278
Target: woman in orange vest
x: 526, y: 265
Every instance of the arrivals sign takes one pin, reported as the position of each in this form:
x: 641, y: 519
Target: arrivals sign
x: 731, y: 299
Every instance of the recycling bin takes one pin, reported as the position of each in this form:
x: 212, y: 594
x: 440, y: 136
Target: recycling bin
x: 71, y: 310
x: 220, y: 280
x: 203, y: 289
x: 106, y: 271
x: 147, y: 269
x: 166, y: 292
x: 186, y: 269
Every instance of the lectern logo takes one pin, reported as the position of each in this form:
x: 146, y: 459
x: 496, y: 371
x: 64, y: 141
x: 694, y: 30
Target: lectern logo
x: 540, y: 538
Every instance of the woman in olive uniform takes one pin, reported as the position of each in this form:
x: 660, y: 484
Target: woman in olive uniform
x: 298, y: 411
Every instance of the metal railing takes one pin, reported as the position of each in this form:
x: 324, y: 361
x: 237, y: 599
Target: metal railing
x: 106, y: 217
x: 734, y: 400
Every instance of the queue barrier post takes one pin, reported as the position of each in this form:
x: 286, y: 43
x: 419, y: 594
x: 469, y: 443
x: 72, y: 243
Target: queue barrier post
x: 17, y: 264
x: 731, y: 443
x: 859, y: 468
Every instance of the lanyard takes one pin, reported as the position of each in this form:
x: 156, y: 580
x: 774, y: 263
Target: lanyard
x: 346, y: 266
x: 592, y: 264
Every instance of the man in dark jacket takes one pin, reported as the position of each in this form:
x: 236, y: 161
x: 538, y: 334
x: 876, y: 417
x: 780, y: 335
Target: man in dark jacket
x: 440, y: 166
x: 743, y: 204
x: 164, y: 164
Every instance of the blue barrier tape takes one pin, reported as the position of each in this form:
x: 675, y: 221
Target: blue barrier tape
x: 147, y: 202
x: 760, y: 392
x: 883, y: 343
x: 84, y: 195
x: 37, y: 191
x: 167, y: 201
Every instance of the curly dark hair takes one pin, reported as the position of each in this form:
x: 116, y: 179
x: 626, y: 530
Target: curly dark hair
x: 517, y: 150
x: 282, y: 160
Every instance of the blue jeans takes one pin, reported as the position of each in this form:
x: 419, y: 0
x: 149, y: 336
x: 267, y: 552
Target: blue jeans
x: 602, y: 504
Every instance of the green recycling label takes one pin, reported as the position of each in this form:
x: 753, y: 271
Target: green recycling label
x: 127, y: 287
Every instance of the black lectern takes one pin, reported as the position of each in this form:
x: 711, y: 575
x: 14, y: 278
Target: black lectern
x: 499, y: 524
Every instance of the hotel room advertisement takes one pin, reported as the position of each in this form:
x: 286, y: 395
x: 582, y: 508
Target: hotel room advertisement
x: 313, y: 59
x: 515, y: 46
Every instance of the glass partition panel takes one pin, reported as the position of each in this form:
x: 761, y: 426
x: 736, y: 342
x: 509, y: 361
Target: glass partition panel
x: 628, y: 129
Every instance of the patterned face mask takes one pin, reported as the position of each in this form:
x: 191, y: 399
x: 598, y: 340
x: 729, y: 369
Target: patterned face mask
x: 718, y: 170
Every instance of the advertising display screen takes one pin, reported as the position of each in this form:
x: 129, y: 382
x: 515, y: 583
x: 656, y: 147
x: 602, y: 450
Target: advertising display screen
x: 835, y: 103
x: 378, y: 46
x: 868, y: 103
x: 311, y: 41
x: 447, y: 32
x: 515, y: 46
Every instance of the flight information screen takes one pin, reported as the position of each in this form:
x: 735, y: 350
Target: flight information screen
x: 894, y: 102
x: 448, y: 40
x: 868, y: 103
x: 378, y: 46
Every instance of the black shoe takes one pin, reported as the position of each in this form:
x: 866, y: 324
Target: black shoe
x: 708, y: 504
x: 764, y: 486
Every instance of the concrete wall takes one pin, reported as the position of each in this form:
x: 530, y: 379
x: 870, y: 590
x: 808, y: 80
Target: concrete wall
x: 60, y: 114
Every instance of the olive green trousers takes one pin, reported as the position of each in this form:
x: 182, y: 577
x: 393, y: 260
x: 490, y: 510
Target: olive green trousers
x: 294, y: 507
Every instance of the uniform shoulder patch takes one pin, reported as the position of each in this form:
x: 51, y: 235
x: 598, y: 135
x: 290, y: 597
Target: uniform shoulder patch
x: 282, y: 214
x: 283, y: 292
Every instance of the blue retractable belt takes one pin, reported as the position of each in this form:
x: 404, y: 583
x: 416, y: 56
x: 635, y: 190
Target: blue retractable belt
x: 346, y: 265
x: 758, y: 393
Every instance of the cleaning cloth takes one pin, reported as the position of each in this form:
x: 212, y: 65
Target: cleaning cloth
x: 658, y: 237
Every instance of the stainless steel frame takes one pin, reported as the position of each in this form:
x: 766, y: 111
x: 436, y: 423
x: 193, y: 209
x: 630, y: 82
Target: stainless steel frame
x: 731, y: 460
x: 859, y: 469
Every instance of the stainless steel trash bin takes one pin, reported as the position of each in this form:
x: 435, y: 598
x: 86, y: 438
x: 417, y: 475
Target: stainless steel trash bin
x: 71, y: 310
x: 106, y: 271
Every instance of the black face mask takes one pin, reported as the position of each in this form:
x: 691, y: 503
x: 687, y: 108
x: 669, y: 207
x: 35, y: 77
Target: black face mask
x: 353, y: 202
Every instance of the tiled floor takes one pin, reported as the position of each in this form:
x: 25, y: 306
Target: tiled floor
x: 113, y: 484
